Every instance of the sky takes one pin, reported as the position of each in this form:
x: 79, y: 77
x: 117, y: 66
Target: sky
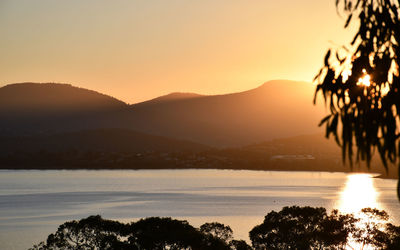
x: 136, y: 50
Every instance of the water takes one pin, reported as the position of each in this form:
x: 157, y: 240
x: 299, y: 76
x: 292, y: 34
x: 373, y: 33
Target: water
x: 33, y: 203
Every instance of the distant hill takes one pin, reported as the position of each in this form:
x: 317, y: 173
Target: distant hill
x: 176, y: 96
x: 53, y: 98
x: 274, y: 110
x: 99, y: 140
x: 43, y: 108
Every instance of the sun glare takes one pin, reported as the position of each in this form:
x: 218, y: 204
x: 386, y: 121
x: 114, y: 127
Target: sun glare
x: 365, y: 80
x: 346, y: 74
x: 358, y: 193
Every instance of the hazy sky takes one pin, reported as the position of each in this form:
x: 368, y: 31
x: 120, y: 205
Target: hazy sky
x: 139, y: 49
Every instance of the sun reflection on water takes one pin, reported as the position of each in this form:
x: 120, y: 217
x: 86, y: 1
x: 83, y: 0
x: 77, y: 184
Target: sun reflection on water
x: 359, y: 192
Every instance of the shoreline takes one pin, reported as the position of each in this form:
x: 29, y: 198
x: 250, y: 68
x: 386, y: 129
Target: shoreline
x: 376, y: 174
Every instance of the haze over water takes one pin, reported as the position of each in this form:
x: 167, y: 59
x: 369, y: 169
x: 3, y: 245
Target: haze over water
x: 34, y: 203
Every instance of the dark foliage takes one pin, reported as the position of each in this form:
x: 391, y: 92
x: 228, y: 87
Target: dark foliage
x: 291, y: 228
x: 151, y: 233
x: 312, y: 228
x: 90, y: 233
x: 373, y: 231
x: 217, y: 230
x: 166, y: 233
x: 239, y: 245
x: 368, y: 116
x: 302, y: 228
x: 393, y: 239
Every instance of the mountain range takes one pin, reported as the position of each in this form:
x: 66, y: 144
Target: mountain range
x: 276, y: 109
x: 51, y: 125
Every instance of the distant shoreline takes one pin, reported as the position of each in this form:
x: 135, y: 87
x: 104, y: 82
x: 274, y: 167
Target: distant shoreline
x: 378, y: 175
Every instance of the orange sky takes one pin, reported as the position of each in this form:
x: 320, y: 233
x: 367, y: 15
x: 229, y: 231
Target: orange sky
x: 137, y: 50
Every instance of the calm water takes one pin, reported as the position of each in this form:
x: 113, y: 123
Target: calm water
x: 34, y: 203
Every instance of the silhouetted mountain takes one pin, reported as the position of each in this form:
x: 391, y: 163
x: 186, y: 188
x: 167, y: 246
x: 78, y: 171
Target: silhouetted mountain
x: 33, y: 108
x: 176, y: 96
x: 99, y: 140
x: 273, y: 110
x: 53, y: 98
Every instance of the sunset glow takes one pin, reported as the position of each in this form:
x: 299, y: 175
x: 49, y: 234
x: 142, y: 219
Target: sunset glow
x: 138, y: 50
x: 359, y: 192
x: 199, y: 124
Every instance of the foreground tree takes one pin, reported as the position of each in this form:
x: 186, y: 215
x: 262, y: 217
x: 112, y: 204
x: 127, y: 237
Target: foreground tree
x: 306, y: 228
x: 393, y: 239
x: 361, y: 83
x: 93, y: 232
x: 373, y: 230
x: 218, y: 230
x: 152, y: 233
x: 167, y: 233
x: 239, y: 245
x: 302, y: 228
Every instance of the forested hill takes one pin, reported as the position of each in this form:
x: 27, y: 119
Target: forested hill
x: 276, y: 109
x: 97, y: 140
x: 44, y: 98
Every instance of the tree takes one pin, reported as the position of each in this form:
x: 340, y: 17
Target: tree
x: 217, y: 230
x: 239, y: 245
x: 90, y: 233
x: 372, y: 231
x: 361, y: 83
x: 312, y: 228
x: 152, y: 233
x: 166, y: 233
x: 302, y: 228
x: 163, y: 233
x: 291, y: 228
x: 393, y: 239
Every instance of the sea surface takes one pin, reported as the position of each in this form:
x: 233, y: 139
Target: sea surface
x: 34, y: 203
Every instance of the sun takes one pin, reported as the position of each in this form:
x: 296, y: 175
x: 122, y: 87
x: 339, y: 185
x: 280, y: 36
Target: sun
x: 365, y: 80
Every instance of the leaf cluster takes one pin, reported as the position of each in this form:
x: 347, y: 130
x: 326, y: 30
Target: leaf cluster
x: 365, y: 118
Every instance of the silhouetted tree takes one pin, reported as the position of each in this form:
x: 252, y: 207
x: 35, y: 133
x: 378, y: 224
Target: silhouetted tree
x: 217, y: 230
x: 302, y: 228
x: 393, y: 239
x: 166, y: 233
x: 239, y: 245
x: 151, y: 233
x: 90, y: 233
x: 365, y: 116
x: 291, y: 228
x: 372, y: 230
x: 160, y: 233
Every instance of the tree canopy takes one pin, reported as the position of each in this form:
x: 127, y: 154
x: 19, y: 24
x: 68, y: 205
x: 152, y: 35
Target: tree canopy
x: 291, y: 228
x: 360, y: 83
x: 302, y: 228
x: 305, y: 228
x: 153, y: 233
